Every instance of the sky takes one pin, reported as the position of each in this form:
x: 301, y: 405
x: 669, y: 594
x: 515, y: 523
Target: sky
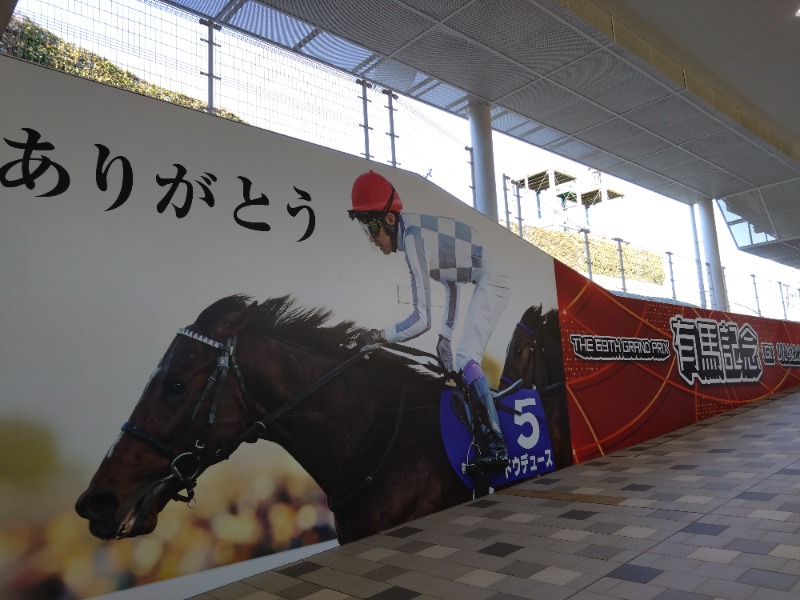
x: 316, y: 103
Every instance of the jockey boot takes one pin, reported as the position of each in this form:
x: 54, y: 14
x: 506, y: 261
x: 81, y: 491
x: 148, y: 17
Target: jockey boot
x: 492, y: 446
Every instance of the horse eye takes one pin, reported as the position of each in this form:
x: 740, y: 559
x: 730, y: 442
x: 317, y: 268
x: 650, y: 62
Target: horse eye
x: 174, y: 387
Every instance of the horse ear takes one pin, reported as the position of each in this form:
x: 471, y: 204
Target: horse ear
x: 532, y: 315
x: 233, y: 323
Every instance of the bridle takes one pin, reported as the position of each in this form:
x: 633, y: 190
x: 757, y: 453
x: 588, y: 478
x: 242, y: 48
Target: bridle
x: 533, y: 346
x: 186, y: 467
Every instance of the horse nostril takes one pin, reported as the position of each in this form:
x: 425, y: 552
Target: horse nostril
x: 97, y: 506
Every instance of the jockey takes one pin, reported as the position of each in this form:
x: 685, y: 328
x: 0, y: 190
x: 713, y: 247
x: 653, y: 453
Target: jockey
x: 449, y: 252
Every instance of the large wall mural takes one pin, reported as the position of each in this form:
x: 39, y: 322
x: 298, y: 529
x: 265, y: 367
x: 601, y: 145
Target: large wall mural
x: 189, y: 299
x: 217, y: 348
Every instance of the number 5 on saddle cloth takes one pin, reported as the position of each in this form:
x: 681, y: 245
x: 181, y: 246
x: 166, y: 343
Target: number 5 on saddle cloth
x: 524, y: 426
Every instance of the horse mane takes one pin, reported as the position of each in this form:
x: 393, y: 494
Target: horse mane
x: 307, y: 327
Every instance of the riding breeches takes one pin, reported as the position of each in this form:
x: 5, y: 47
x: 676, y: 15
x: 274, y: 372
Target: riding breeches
x: 489, y: 300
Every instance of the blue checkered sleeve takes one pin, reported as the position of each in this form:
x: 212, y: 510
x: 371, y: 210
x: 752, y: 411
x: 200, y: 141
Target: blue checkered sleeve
x: 442, y: 249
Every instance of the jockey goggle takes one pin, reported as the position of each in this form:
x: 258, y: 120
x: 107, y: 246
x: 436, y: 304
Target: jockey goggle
x: 372, y: 224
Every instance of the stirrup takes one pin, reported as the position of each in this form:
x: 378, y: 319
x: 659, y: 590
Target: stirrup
x: 484, y: 466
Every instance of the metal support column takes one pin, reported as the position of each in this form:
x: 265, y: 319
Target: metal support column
x: 480, y: 125
x: 711, y: 251
x: 391, y: 97
x: 519, y: 211
x: 210, y: 74
x: 365, y: 85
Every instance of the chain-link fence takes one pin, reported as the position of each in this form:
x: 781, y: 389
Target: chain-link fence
x: 152, y: 48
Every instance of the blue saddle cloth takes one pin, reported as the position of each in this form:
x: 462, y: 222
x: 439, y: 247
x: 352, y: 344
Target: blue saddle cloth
x: 530, y: 452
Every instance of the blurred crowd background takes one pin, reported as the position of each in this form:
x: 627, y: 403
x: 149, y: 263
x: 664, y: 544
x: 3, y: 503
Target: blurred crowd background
x: 257, y: 503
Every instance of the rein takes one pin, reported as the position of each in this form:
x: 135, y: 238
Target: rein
x: 187, y: 467
x: 259, y: 428
x: 370, y: 479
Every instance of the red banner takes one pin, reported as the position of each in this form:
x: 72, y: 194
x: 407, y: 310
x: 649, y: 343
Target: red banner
x: 636, y: 369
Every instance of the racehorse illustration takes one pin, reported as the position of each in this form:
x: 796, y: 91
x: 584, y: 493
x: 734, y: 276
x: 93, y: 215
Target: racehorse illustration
x: 366, y: 430
x: 534, y: 355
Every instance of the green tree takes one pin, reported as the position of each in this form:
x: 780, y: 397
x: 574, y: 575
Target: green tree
x: 26, y: 40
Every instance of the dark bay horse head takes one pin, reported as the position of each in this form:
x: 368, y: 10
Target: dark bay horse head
x: 535, y: 356
x: 534, y: 352
x: 245, y: 371
x: 156, y: 457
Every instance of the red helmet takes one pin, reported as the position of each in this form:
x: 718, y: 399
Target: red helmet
x: 374, y: 193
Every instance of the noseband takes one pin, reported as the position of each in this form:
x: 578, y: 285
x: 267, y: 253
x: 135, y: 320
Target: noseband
x: 186, y: 467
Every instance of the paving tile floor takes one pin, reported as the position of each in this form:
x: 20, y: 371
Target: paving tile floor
x: 711, y: 511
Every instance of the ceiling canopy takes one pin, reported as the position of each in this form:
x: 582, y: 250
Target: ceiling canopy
x: 689, y: 99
